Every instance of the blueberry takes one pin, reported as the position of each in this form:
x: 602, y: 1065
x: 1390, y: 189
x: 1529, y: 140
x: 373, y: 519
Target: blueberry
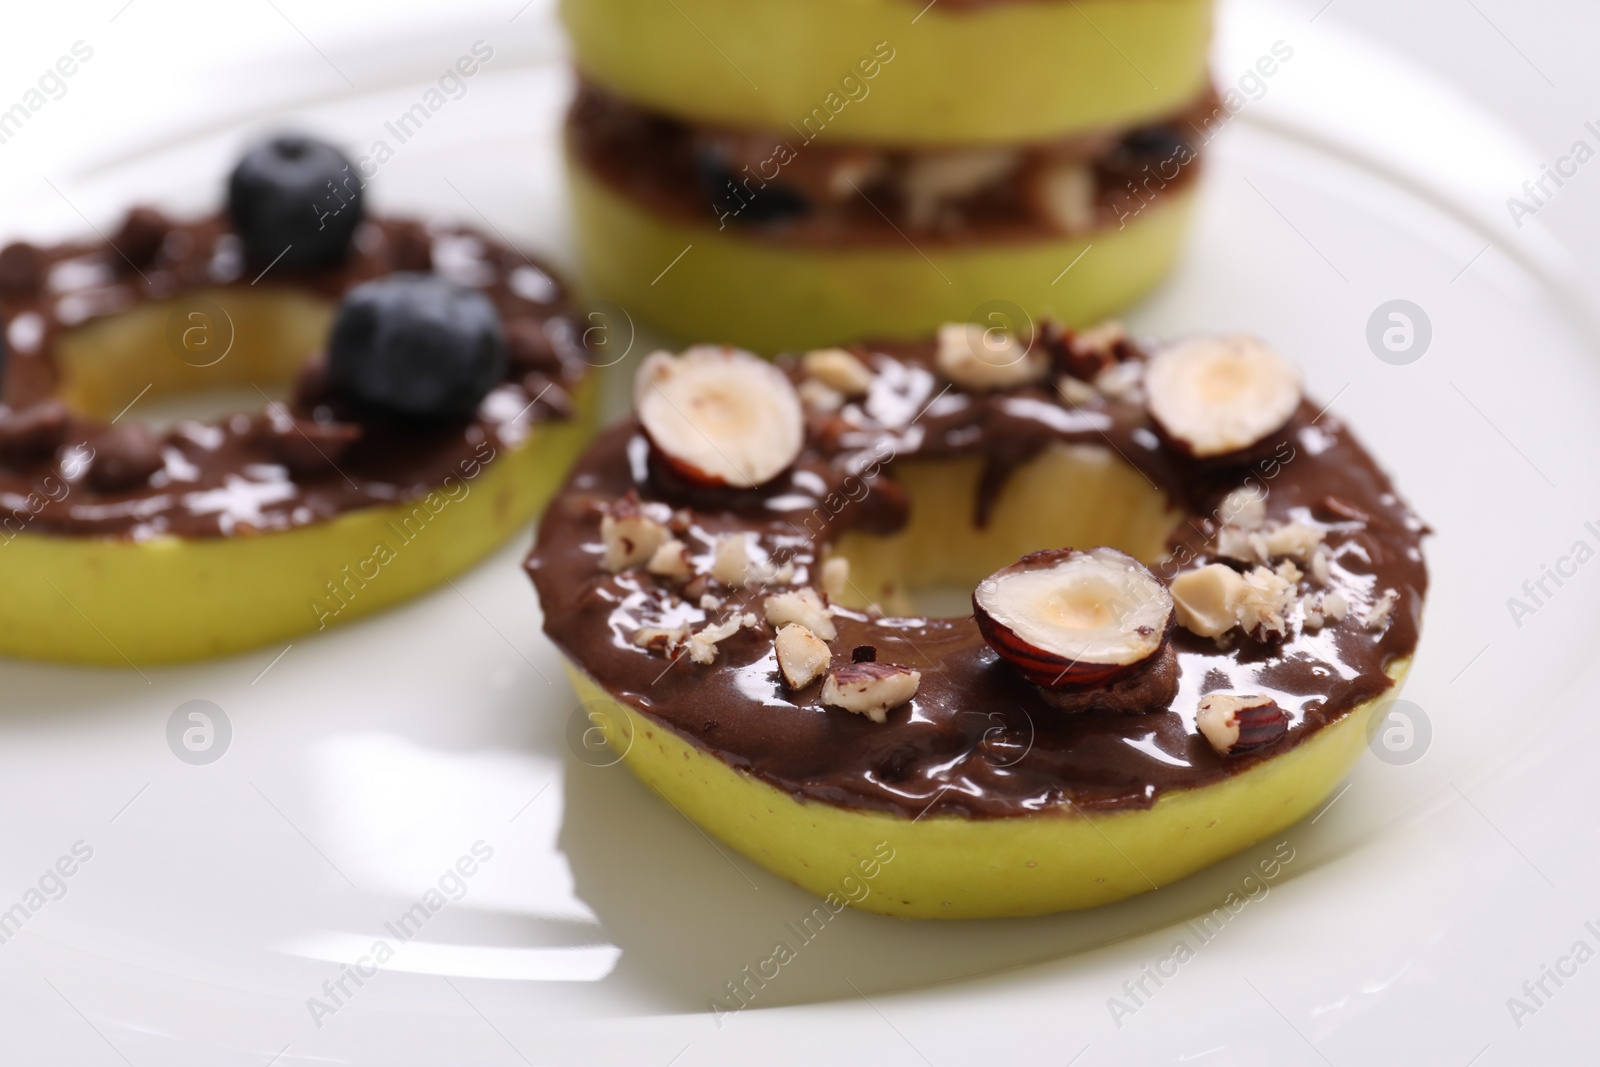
x: 416, y: 345
x: 296, y: 193
x: 755, y: 204
x: 1158, y: 142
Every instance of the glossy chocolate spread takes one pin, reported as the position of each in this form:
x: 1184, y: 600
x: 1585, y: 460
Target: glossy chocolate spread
x: 787, y: 186
x: 288, y: 465
x: 976, y: 739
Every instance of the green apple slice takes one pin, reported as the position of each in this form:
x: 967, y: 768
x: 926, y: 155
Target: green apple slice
x: 903, y: 72
x: 696, y: 281
x: 949, y: 866
x: 113, y: 601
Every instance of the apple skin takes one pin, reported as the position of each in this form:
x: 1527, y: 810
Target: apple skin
x: 1016, y: 70
x: 950, y: 867
x: 169, y: 599
x: 769, y: 297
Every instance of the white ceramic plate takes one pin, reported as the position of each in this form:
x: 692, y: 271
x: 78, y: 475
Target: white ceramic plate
x: 365, y: 763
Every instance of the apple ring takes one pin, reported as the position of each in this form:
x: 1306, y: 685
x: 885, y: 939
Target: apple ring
x: 451, y: 399
x: 1228, y: 585
x: 900, y: 71
x: 771, y: 241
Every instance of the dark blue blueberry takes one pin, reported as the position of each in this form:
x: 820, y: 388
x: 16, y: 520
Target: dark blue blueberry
x: 1158, y: 142
x: 298, y: 194
x: 416, y: 345
x: 774, y: 204
x: 753, y: 204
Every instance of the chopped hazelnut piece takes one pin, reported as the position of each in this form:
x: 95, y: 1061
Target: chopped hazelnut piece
x: 703, y: 645
x: 802, y: 655
x: 1103, y: 337
x: 803, y: 606
x: 670, y: 560
x: 1246, y: 546
x: 1244, y: 509
x: 1378, y: 615
x: 816, y: 395
x: 1265, y: 604
x: 839, y: 370
x: 630, y: 538
x: 982, y: 359
x: 854, y: 170
x: 1294, y: 539
x: 1234, y: 723
x: 870, y: 689
x: 660, y: 638
x: 730, y: 560
x: 1122, y: 381
x: 1075, y: 392
x: 1323, y: 608
x: 764, y: 572
x: 1085, y: 353
x: 933, y: 179
x: 1065, y: 191
x: 1320, y: 565
x: 1207, y: 600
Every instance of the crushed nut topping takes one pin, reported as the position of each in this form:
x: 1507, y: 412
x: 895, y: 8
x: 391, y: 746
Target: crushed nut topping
x: 1320, y: 563
x: 1246, y: 546
x: 816, y: 395
x: 981, y: 359
x: 804, y: 606
x: 802, y: 655
x: 630, y: 537
x: 1207, y: 600
x: 1378, y: 615
x: 1243, y: 508
x: 871, y: 689
x: 730, y: 559
x: 670, y: 560
x: 1295, y: 540
x: 1122, y: 381
x: 1324, y: 608
x: 661, y: 638
x: 1235, y: 723
x: 1266, y: 603
x: 1075, y: 392
x: 703, y: 643
x: 839, y: 370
